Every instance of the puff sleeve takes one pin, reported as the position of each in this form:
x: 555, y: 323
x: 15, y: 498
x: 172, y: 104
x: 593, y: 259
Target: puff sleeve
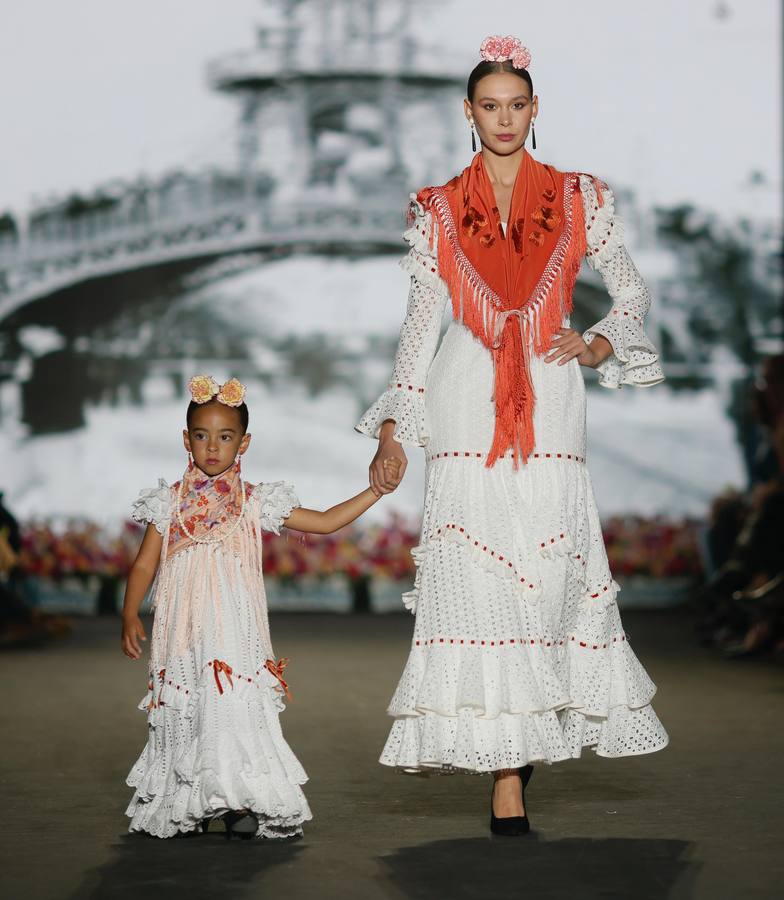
x: 276, y: 499
x: 154, y: 506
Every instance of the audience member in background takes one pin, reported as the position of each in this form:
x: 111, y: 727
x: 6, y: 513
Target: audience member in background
x: 18, y: 623
x: 743, y: 603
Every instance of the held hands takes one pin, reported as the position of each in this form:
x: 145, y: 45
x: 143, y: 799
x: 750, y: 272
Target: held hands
x: 389, y: 464
x: 391, y: 467
x: 132, y: 633
x: 569, y: 344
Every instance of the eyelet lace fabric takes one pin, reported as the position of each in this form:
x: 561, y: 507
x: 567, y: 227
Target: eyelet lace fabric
x: 214, y: 740
x: 404, y: 399
x: 635, y: 360
x: 153, y: 506
x: 277, y: 500
x: 518, y: 653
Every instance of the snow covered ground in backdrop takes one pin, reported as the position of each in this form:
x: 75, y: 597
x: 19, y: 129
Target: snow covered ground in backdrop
x: 650, y: 451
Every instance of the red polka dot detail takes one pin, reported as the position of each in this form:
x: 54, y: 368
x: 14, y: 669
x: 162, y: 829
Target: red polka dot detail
x: 542, y: 642
x: 473, y: 454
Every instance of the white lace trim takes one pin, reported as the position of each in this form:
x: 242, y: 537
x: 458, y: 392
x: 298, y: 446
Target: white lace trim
x: 405, y: 408
x: 604, y: 231
x: 188, y: 772
x: 277, y: 500
x: 421, y: 262
x: 596, y: 597
x: 467, y: 743
x: 403, y: 402
x: 154, y: 506
x: 635, y: 366
x: 635, y: 360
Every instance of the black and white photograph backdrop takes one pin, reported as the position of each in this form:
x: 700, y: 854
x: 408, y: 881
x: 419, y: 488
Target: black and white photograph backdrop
x: 221, y: 188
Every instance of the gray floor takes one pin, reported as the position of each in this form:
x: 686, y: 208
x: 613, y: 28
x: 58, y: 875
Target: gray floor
x: 702, y: 819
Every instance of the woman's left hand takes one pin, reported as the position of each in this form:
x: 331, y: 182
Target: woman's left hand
x: 569, y: 344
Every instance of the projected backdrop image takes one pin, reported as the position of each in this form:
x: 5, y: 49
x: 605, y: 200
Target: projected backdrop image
x: 237, y: 209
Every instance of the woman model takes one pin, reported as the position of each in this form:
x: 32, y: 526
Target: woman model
x: 518, y: 654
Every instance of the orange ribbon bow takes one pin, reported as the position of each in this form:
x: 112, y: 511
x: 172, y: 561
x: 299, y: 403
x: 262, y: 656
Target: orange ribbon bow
x: 218, y: 666
x: 277, y: 670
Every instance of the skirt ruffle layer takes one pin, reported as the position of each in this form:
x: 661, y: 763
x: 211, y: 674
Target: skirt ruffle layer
x: 519, y: 654
x: 209, y: 753
x: 467, y: 742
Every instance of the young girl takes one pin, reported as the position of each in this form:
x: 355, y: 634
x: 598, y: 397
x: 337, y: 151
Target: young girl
x: 215, y: 747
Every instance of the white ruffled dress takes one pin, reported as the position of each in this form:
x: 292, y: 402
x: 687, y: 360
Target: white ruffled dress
x: 518, y: 653
x: 214, y: 740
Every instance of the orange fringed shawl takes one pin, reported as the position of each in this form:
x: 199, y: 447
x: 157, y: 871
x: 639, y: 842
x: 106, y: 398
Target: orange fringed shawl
x: 513, y: 289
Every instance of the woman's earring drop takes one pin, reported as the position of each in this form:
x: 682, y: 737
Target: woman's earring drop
x: 533, y: 135
x: 473, y: 137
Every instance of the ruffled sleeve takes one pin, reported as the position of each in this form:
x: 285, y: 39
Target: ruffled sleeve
x: 276, y: 499
x: 635, y: 360
x: 421, y: 261
x: 404, y: 399
x: 154, y: 506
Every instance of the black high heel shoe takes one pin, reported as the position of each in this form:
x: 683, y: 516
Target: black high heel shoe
x: 512, y: 826
x: 243, y: 825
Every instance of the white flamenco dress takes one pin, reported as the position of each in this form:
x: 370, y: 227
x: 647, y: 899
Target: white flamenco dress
x: 518, y: 653
x: 214, y: 693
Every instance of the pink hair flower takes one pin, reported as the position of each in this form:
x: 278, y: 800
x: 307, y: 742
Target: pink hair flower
x: 496, y: 48
x: 521, y: 58
x: 490, y: 48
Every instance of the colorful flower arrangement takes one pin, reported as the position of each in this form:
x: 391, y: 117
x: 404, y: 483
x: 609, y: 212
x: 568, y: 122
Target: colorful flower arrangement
x: 82, y: 548
x: 375, y: 551
x: 497, y: 49
x: 204, y: 388
x: 658, y: 548
x: 78, y: 548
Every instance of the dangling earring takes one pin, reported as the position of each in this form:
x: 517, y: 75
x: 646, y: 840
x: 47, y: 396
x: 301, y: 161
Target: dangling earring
x: 533, y: 135
x: 237, y: 462
x: 473, y: 137
x: 190, y: 461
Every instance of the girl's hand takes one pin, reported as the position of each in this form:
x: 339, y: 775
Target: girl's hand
x: 393, y: 469
x: 385, y: 478
x: 132, y: 633
x: 392, y: 472
x: 570, y: 345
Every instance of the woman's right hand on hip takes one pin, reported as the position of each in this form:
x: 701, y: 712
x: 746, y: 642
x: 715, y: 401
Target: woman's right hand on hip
x: 384, y: 479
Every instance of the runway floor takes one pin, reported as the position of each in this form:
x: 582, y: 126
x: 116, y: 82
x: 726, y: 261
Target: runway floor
x: 702, y: 819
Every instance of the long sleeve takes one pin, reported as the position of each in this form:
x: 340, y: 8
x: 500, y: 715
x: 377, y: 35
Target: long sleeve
x: 404, y: 399
x: 635, y: 360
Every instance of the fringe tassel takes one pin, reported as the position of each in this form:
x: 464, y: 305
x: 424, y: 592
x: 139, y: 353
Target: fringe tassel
x: 480, y: 309
x: 514, y: 396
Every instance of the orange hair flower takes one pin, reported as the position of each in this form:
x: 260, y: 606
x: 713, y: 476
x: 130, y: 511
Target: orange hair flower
x: 203, y: 388
x: 232, y: 393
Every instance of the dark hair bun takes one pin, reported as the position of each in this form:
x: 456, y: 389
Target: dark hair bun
x: 488, y: 67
